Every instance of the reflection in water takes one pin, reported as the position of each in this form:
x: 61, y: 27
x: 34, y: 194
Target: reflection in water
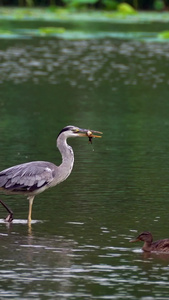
x: 36, y: 261
x: 9, y: 225
x: 156, y: 256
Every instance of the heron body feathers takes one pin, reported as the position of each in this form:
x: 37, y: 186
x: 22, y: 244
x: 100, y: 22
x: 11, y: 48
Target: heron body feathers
x: 28, y: 177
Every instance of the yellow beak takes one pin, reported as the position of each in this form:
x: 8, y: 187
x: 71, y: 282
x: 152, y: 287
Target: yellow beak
x: 89, y: 133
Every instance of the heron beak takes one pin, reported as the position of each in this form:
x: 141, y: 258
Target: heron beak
x: 89, y: 133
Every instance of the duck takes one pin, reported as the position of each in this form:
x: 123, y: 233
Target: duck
x: 149, y: 245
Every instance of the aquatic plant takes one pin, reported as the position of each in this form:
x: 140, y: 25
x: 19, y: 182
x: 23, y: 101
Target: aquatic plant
x: 110, y: 4
x: 30, y: 3
x: 159, y: 5
x: 164, y: 34
x: 51, y: 30
x: 126, y: 9
x: 5, y: 32
x: 78, y: 4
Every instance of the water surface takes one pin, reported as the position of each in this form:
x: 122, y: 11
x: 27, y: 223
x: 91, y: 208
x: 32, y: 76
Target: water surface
x: 78, y: 245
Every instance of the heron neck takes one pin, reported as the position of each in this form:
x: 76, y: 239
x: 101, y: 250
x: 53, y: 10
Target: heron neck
x: 67, y: 157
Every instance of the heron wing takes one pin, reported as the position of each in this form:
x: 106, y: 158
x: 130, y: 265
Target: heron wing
x: 27, y: 177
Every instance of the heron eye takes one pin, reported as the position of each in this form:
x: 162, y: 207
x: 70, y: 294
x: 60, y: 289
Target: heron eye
x: 76, y: 130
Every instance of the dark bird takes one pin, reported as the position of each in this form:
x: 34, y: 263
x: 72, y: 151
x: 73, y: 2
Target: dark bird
x: 149, y: 245
x: 34, y: 177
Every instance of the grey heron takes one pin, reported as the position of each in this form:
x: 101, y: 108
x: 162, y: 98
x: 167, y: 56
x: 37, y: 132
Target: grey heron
x: 32, y: 178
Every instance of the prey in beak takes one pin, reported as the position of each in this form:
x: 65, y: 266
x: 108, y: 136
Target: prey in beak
x: 89, y: 134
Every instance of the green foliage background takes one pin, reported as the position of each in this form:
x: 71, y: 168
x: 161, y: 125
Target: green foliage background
x: 108, y: 4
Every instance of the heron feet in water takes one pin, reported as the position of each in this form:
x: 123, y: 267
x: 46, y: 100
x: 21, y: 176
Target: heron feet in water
x: 9, y: 218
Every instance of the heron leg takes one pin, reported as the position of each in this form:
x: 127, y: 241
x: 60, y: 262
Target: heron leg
x: 9, y: 218
x: 30, y: 208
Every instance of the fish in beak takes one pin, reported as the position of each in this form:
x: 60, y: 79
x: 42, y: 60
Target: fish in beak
x: 90, y: 134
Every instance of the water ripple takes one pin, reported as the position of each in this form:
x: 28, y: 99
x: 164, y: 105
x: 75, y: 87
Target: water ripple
x: 59, y: 61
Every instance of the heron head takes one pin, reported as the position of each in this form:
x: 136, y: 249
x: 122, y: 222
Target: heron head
x: 73, y: 131
x: 145, y: 236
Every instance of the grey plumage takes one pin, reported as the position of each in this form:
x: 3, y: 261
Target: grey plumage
x: 27, y: 177
x: 34, y: 177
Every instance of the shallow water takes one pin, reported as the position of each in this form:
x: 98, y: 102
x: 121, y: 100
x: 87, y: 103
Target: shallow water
x: 78, y: 245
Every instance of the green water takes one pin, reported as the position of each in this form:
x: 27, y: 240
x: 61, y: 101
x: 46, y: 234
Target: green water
x: 78, y: 245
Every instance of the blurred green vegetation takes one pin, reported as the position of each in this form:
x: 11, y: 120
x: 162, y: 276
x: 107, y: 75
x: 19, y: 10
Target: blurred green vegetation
x: 50, y: 30
x: 79, y: 3
x: 164, y: 34
x: 158, y: 5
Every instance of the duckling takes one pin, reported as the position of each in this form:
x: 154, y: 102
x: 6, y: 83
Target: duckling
x: 149, y: 245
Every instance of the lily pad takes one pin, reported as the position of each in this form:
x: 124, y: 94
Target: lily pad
x: 5, y: 32
x: 51, y: 30
x: 164, y: 34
